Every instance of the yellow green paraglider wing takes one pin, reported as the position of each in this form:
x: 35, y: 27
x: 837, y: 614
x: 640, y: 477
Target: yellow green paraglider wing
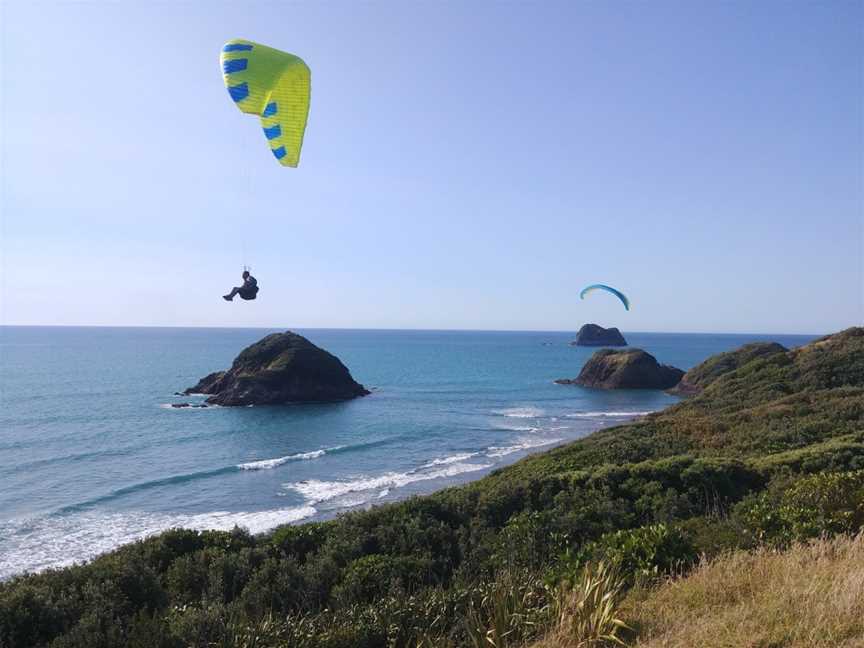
x: 274, y: 85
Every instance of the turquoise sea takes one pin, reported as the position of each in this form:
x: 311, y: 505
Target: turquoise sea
x: 93, y: 456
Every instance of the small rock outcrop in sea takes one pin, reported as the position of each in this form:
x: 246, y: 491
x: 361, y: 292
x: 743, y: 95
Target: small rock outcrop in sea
x: 594, y: 335
x: 625, y: 369
x: 281, y: 368
x: 703, y: 374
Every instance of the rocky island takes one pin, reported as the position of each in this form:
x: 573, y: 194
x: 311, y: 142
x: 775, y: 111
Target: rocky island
x: 594, y: 335
x: 280, y: 368
x: 625, y: 369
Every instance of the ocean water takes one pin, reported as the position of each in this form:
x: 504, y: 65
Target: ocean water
x: 93, y: 456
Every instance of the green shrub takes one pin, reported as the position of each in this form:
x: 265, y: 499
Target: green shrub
x: 28, y: 616
x: 817, y: 505
x: 275, y: 587
x: 370, y: 577
x: 524, y: 542
x: 714, y: 535
x: 148, y: 631
x: 645, y: 552
x: 199, y: 626
x: 187, y: 577
x: 296, y: 541
x: 229, y: 573
x: 97, y: 628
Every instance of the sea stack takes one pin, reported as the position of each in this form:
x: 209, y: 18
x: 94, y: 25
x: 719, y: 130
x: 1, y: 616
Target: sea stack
x: 594, y: 335
x: 281, y: 368
x: 625, y: 369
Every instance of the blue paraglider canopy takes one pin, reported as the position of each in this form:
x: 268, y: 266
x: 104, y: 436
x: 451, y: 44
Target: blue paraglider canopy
x: 610, y: 289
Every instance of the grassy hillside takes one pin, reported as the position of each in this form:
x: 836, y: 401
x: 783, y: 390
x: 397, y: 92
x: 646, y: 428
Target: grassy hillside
x: 769, y: 453
x: 703, y: 374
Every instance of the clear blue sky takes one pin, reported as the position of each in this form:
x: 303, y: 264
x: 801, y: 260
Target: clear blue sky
x: 466, y: 165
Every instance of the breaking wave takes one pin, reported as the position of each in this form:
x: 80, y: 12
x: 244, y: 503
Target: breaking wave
x: 85, y: 535
x: 267, y: 464
x: 449, y: 460
x: 521, y: 444
x: 520, y: 412
x: 316, y: 491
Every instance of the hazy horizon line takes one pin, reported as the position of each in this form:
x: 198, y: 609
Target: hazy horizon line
x: 408, y: 329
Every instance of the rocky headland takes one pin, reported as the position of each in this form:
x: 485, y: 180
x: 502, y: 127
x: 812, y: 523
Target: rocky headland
x: 281, y: 368
x: 705, y: 373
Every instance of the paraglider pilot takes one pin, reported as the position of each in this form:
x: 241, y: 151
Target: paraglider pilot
x: 249, y: 289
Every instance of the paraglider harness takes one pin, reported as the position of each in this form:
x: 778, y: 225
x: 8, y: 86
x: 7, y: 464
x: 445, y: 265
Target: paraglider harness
x: 248, y: 293
x: 250, y: 287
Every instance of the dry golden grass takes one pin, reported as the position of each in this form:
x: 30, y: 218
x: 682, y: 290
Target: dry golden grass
x: 808, y: 596
x: 811, y: 595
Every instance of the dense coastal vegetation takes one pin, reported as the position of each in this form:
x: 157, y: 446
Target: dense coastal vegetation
x: 581, y: 539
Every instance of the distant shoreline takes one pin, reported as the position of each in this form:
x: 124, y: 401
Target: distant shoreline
x: 398, y: 330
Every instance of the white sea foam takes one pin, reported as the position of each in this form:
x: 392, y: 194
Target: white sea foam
x: 521, y: 412
x: 74, y: 538
x: 355, y: 499
x: 255, y: 521
x: 316, y: 491
x: 607, y: 414
x: 267, y: 464
x: 514, y: 428
x: 449, y: 460
x: 521, y: 444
